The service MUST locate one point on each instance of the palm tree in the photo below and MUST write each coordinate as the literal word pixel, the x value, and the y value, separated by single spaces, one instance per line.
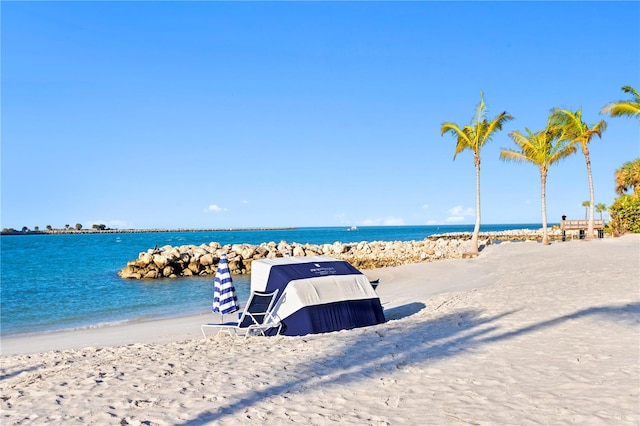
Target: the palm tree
pixel 541 149
pixel 628 177
pixel 472 137
pixel 621 108
pixel 586 205
pixel 601 207
pixel 577 131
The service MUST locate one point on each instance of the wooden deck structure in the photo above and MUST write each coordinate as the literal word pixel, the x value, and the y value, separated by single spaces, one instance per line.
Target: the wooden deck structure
pixel 572 225
pixel 581 226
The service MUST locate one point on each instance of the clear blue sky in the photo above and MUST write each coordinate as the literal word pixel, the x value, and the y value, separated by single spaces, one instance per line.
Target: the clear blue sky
pixel 242 114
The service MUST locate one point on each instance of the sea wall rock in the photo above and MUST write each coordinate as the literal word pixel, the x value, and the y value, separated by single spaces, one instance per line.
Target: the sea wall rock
pixel 190 260
pixel 555 234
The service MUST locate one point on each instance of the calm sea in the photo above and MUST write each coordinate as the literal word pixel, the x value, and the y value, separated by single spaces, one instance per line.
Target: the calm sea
pixel 53 282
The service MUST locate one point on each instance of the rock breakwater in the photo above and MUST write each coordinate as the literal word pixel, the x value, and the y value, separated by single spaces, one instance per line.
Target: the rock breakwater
pixel 555 234
pixel 190 260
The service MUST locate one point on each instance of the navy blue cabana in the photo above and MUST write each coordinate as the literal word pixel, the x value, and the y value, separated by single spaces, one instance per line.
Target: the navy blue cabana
pixel 317 294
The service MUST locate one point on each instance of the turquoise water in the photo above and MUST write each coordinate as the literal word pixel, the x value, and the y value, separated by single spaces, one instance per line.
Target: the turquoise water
pixel 53 282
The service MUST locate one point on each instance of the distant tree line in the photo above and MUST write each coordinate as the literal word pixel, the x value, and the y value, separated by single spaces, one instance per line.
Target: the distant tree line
pixel 51 229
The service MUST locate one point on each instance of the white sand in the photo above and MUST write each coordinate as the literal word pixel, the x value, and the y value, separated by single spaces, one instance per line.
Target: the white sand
pixel 525 334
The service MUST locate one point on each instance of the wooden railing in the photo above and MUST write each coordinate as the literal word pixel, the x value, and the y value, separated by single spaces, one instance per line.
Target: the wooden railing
pixel 568 225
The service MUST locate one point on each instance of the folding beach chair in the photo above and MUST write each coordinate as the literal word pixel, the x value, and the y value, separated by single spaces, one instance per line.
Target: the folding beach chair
pixel 256 318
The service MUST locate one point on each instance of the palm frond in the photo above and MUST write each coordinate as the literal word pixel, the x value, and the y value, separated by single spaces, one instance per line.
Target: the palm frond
pixel 510 155
pixel 496 124
pixel 463 139
pixel 474 135
pixel 634 92
pixel 567 122
pixel 624 108
pixel 481 111
pixel 452 128
pixel 542 148
pixel 570 127
pixel 562 150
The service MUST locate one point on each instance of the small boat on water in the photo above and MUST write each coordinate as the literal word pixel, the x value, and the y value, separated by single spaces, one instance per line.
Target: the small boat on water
pixel 353 228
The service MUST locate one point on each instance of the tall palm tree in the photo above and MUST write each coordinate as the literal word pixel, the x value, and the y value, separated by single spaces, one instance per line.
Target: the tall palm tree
pixel 628 177
pixel 601 207
pixel 586 205
pixel 541 149
pixel 630 108
pixel 473 136
pixel 576 131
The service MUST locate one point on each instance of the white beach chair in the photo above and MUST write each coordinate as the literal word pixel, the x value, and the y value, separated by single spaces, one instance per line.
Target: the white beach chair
pixel 256 318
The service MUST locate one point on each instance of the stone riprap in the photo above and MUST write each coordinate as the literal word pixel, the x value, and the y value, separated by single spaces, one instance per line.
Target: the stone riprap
pixel 190 260
pixel 555 234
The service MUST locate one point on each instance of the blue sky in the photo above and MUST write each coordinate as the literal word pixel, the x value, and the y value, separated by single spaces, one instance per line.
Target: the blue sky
pixel 243 114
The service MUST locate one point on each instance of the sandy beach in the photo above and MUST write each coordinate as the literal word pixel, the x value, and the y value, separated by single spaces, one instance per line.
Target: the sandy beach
pixel 522 334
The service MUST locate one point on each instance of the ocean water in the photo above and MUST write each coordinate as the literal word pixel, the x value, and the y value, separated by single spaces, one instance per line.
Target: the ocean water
pixel 54 282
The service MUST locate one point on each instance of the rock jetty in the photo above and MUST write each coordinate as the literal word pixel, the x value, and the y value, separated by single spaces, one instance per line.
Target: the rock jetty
pixel 555 234
pixel 192 260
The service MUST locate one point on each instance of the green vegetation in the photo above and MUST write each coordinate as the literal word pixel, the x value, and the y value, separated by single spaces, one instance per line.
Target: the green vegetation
pixel 51 230
pixel 628 177
pixel 625 214
pixel 625 210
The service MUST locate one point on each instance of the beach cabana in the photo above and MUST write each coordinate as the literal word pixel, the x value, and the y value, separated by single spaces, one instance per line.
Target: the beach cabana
pixel 317 294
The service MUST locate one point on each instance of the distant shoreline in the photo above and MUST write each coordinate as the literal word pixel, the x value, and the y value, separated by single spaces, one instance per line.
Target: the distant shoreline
pixel 73 231
pixel 136 231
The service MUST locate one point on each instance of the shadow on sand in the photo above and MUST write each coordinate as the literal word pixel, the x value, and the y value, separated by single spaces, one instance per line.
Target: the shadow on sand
pixel 403 311
pixel 17 372
pixel 425 340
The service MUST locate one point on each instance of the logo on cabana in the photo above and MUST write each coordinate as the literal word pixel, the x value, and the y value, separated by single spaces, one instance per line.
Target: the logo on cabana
pixel 320 270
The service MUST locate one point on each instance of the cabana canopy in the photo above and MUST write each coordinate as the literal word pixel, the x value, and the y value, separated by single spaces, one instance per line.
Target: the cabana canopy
pixel 317 294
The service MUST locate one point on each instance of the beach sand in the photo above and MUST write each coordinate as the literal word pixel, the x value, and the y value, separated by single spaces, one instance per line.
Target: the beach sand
pixel 522 334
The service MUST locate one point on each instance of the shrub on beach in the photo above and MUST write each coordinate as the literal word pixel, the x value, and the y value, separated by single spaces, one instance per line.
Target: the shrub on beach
pixel 625 215
pixel 625 211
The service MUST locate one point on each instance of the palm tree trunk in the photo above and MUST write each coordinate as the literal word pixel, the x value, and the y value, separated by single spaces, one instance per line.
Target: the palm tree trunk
pixel 543 192
pixel 476 228
pixel 590 227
